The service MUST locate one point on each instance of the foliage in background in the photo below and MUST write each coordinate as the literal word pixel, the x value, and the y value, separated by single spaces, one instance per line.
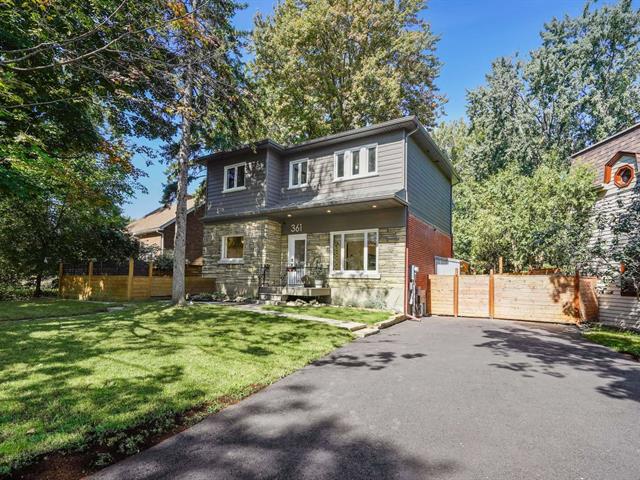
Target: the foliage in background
pixel 581 85
pixel 326 66
pixel 534 221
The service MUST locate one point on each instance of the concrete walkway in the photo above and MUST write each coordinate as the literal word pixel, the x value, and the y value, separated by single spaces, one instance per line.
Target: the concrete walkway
pixel 442 399
pixel 360 329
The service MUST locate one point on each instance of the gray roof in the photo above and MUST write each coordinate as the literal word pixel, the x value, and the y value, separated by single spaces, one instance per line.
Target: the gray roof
pixel 410 122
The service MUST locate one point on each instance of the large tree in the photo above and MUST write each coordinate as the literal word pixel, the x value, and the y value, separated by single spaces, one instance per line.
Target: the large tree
pixel 536 221
pixel 325 66
pixel 581 85
pixel 94 73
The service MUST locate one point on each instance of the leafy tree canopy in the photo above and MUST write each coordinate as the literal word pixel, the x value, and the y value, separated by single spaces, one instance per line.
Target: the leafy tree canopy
pixel 326 66
pixel 518 199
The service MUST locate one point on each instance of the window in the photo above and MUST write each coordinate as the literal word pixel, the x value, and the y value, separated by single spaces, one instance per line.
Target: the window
pixel 298 173
pixel 356 162
pixel 354 252
pixel 234 177
pixel 624 176
pixel 232 248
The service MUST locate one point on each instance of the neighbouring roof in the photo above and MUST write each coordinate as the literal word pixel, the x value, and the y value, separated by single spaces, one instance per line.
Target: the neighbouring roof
pixel 608 139
pixel 159 219
pixel 411 122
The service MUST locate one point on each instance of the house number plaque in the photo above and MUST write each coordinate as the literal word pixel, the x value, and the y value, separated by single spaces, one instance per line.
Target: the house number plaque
pixel 296 227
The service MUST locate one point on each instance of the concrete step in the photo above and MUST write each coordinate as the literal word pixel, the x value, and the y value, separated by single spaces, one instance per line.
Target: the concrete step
pixel 365 332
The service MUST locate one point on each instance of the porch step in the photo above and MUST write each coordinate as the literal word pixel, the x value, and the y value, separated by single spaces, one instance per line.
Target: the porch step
pixel 272 297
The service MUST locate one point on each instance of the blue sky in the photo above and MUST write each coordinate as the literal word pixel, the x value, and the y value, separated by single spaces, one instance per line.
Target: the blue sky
pixel 473 33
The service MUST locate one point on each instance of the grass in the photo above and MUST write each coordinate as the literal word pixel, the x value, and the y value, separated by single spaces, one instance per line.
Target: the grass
pixel 47 307
pixel 349 314
pixel 68 382
pixel 618 340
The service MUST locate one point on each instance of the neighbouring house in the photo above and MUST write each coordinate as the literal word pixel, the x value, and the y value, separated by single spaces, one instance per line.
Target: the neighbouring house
pixel 616 160
pixel 342 216
pixel 158 229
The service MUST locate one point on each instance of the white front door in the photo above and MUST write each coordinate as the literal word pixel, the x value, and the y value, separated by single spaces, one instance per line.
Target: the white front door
pixel 296 258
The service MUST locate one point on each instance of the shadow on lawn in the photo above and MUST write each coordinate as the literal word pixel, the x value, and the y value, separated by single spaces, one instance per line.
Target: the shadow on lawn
pixel 279 435
pixel 52 375
pixel 549 347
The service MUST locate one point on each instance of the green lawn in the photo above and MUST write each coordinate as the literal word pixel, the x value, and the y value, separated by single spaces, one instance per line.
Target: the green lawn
pixel 620 341
pixel 71 381
pixel 337 313
pixel 47 307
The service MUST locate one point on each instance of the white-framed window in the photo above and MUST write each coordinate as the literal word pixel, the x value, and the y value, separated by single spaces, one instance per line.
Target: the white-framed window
pixel 235 177
pixel 356 162
pixel 299 173
pixel 354 252
pixel 232 249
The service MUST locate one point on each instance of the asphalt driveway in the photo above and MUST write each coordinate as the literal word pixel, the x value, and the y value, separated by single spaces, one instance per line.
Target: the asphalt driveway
pixel 441 399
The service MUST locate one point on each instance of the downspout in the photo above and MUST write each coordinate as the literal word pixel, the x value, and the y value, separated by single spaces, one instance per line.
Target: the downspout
pixel 406 219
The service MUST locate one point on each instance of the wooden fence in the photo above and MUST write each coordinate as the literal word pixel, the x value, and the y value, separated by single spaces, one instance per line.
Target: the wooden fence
pixel 542 298
pixel 132 286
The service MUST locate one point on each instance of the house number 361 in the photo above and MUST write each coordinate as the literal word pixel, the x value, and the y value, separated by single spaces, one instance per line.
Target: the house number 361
pixel 296 227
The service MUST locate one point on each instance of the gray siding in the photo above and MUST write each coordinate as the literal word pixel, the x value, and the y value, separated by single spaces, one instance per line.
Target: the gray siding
pixel 388 217
pixel 429 189
pixel 389 179
pixel 275 173
pixel 249 200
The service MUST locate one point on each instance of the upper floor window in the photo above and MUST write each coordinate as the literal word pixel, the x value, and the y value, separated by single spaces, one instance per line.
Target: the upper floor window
pixel 356 162
pixel 298 173
pixel 234 177
pixel 624 176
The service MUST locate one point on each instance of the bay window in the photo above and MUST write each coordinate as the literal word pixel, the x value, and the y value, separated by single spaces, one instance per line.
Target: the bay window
pixel 354 252
pixel 356 162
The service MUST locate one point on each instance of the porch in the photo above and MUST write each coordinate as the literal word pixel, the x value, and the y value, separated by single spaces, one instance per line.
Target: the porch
pixel 299 281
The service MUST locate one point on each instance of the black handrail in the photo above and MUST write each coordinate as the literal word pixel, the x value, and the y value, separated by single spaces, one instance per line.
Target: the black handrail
pixel 298 275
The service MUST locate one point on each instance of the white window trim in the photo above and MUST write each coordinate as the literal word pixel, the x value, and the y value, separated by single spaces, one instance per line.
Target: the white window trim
pixel 298 162
pixel 354 273
pixel 223 251
pixel 348 165
pixel 224 178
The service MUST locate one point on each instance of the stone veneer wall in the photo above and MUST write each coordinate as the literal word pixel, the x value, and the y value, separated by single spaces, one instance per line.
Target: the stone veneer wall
pixel 261 246
pixel 384 292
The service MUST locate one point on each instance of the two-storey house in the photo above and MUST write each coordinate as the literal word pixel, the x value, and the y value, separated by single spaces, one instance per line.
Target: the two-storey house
pixel 616 161
pixel 342 216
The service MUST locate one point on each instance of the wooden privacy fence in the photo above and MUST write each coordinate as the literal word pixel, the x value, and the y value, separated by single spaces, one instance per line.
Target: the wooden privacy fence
pixel 135 280
pixel 542 298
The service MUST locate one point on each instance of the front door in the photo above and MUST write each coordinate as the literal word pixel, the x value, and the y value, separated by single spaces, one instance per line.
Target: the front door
pixel 297 258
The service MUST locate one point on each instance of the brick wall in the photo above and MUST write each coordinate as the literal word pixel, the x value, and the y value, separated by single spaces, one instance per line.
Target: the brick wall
pixel 424 243
pixel 194 236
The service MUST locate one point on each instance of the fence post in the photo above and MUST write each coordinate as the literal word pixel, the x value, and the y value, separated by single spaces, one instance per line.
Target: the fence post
pixel 456 292
pixel 60 274
pixel 491 294
pixel 576 296
pixel 428 294
pixel 89 291
pixel 150 277
pixel 130 279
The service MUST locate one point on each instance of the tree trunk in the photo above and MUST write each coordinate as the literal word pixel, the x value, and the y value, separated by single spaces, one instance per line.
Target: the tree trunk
pixel 38 291
pixel 184 154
